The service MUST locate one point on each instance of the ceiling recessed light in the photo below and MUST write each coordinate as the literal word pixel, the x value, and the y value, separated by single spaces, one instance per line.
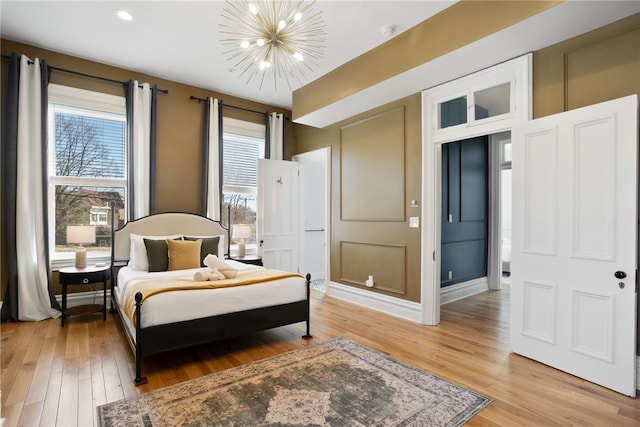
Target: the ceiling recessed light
pixel 124 15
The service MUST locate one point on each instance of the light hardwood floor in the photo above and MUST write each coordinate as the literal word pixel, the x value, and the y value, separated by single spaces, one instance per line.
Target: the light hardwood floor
pixel 57 376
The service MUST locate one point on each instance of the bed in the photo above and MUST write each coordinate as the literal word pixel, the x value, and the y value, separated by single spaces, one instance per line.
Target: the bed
pixel 165 320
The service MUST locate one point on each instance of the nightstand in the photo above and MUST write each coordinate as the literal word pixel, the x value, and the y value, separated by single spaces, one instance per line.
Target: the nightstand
pixel 249 259
pixel 84 276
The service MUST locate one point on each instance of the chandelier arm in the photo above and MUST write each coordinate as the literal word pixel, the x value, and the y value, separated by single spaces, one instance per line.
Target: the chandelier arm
pixel 273 39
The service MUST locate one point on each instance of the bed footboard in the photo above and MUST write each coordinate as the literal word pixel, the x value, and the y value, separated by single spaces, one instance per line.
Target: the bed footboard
pixel 161 338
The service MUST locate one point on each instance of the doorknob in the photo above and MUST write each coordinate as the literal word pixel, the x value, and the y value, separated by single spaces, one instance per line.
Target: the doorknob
pixel 620 274
pixel 261 242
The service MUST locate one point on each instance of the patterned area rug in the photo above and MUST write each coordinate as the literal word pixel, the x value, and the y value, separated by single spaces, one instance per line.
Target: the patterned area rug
pixel 338 383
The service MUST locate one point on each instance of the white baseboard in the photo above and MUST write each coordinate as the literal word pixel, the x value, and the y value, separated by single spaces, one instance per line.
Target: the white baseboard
pixel 462 290
pixel 394 306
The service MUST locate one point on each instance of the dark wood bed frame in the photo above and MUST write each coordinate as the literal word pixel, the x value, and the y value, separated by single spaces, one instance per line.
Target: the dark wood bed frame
pixel 173 336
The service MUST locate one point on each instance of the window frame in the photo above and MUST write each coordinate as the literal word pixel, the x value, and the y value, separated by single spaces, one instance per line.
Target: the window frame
pixel 100 105
pixel 245 129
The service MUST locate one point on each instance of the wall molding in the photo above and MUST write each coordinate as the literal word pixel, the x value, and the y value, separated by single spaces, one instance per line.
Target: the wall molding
pixel 394 306
pixel 462 290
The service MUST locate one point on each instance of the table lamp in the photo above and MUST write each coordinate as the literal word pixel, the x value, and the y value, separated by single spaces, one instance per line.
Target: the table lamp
pixel 81 234
pixel 242 232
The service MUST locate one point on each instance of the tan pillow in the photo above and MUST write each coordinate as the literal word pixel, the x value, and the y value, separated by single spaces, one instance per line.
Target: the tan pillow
pixel 184 254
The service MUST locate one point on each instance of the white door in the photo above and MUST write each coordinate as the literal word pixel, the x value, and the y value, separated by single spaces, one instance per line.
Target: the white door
pixel 313 167
pixel 574 238
pixel 277 216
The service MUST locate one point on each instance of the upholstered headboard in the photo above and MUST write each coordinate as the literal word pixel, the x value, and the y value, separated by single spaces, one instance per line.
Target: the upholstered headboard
pixel 163 224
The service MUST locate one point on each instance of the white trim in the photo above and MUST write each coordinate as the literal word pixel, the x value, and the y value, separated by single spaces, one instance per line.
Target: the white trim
pixel 463 290
pixel 518 72
pixel 394 306
pixel 242 127
pixel 66 95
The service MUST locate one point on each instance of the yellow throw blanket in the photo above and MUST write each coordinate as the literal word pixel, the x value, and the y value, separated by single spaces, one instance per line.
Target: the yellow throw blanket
pixel 154 286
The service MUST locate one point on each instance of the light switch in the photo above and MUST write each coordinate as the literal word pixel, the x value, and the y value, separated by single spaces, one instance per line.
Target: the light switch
pixel 414 222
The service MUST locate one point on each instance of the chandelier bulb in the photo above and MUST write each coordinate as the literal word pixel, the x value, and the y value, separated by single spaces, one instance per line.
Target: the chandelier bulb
pixel 297 16
pixel 253 9
pixel 245 44
pixel 260 42
pixel 281 25
pixel 298 56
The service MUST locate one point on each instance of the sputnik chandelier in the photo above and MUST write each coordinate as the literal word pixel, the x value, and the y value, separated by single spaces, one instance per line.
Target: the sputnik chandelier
pixel 278 39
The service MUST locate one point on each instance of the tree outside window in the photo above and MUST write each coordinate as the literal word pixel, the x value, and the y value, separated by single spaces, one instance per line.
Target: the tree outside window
pixel 87 171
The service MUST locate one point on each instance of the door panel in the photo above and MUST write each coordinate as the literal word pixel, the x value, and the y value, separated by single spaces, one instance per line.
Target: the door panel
pixel 277 216
pixel 312 215
pixel 574 227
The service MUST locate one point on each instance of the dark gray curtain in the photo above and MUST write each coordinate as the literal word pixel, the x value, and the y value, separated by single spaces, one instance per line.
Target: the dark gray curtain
pixel 153 152
pixel 9 179
pixel 267 136
pixel 128 96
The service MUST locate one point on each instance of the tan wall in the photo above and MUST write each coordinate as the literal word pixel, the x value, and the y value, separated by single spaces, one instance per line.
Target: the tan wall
pixel 180 123
pixel 598 66
pixel 376 172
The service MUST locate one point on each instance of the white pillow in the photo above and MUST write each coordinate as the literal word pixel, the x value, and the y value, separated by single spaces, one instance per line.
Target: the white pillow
pixel 138 254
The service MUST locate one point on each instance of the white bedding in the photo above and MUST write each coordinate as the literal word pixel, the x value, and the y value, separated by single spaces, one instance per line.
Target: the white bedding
pixel 176 306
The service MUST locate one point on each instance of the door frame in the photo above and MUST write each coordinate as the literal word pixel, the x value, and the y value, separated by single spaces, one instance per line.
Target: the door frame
pixel 323 154
pixel 518 72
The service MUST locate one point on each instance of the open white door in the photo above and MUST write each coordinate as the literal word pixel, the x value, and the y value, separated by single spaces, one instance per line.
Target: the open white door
pixel 574 238
pixel 314 172
pixel 277 216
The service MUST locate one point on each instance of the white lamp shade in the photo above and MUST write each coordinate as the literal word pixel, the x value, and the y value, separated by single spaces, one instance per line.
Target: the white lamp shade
pixel 81 234
pixel 242 231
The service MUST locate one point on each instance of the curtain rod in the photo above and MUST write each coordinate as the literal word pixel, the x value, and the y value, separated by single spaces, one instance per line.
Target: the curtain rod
pixel 195 98
pixel 90 76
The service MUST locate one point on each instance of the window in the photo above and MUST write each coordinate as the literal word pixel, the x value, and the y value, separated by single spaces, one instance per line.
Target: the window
pixel 243 144
pixel 87 167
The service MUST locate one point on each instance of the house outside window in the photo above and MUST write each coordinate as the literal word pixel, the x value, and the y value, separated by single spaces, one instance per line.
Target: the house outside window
pixel 243 145
pixel 87 168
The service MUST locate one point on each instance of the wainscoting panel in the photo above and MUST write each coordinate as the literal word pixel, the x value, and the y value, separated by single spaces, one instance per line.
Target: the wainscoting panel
pixel 592 324
pixel 372 167
pixel 594 163
pixel 386 263
pixel 539 320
